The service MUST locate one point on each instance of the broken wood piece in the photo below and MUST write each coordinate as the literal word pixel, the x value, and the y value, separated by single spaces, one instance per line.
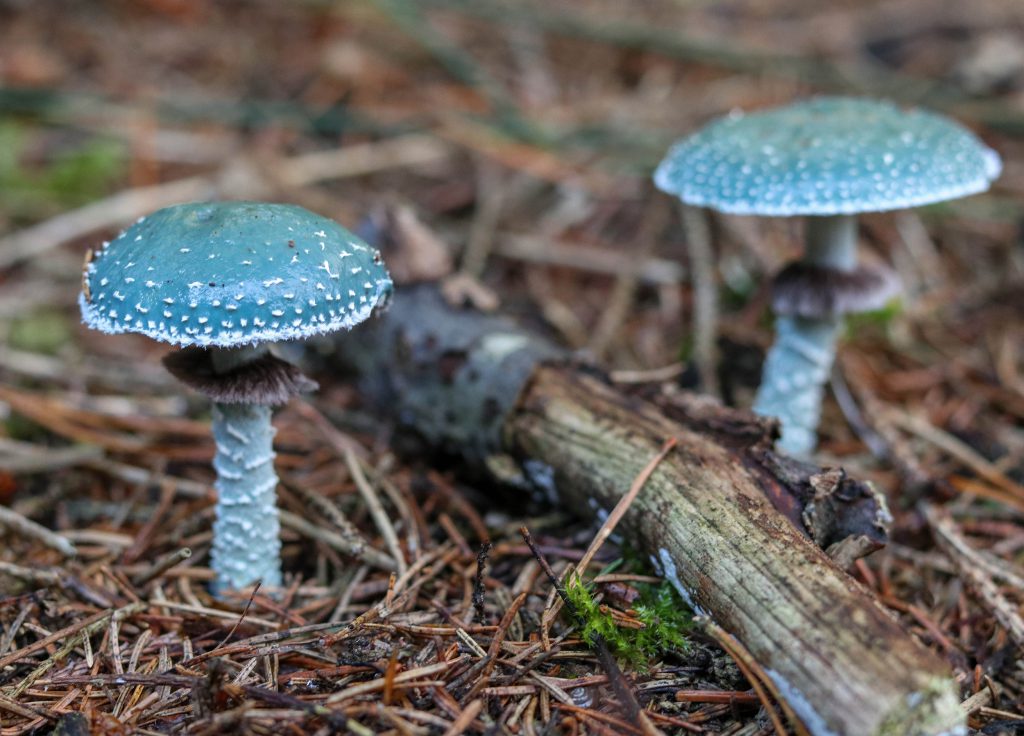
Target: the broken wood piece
pixel 481 388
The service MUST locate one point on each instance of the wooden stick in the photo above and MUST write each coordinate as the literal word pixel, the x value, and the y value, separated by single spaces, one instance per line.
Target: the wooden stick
pixel 481 387
pixel 25 527
pixel 980 571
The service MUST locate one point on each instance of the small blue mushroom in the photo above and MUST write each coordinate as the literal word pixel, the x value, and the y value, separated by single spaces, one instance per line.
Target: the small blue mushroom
pixel 223 280
pixel 829 159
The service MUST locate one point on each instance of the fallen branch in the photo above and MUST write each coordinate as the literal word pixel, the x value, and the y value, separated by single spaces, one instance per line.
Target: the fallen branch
pixel 480 387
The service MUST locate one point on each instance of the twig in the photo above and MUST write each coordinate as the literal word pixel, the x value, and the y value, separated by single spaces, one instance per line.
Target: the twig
pixel 623 506
pixel 358 548
pixel 346 596
pixel 24 457
pixel 241 617
pixel 161 566
pixel 928 269
pixel 75 633
pixel 652 375
pixel 950 444
pixel 755 676
pixel 589 259
pixel 609 526
pixel 130 204
pixel 376 508
pixel 345 447
pixel 978 570
pixel 491 196
pixel 848 404
pixel 126 378
pixel 104 214
pixel 25 711
pixel 145 535
pixel 621 298
pixel 604 655
pixel 478 580
pixel 358 160
pixel 704 282
pixel 409 678
pixel 144 477
pixel 18 524
pixel 587 713
pixel 216 613
pixel 876 419
pixel 12 630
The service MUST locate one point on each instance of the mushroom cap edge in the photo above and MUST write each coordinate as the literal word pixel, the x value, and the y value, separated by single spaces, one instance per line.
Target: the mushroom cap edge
pixel 231 291
pixel 871 156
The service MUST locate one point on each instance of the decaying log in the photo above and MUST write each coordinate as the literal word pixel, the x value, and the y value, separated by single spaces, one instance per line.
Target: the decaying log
pixel 480 387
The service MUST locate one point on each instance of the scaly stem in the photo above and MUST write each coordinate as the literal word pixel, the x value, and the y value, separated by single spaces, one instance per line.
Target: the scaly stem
pixel 246 534
pixel 793 379
pixel 800 360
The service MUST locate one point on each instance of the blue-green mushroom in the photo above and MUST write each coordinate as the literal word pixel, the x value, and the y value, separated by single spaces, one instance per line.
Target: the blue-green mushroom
pixel 829 159
pixel 223 280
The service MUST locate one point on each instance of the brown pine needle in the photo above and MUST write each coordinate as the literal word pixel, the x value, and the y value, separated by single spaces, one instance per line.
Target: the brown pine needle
pixel 623 506
pixel 757 678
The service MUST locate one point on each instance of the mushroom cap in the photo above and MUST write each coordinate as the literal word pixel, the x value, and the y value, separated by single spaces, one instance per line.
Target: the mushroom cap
pixel 227 274
pixel 827 156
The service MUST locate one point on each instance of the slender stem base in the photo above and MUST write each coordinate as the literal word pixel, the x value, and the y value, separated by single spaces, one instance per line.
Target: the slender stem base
pixel 793 381
pixel 800 360
pixel 246 534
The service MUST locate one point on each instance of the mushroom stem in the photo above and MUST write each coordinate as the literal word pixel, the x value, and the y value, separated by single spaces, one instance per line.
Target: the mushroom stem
pixel 793 379
pixel 246 538
pixel 831 242
pixel 226 360
pixel 800 360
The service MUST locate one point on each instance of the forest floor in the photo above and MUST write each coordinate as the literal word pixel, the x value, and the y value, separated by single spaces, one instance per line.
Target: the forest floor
pixel 510 144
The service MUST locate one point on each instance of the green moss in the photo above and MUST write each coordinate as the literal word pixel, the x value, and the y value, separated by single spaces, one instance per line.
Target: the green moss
pixel 43 331
pixel 75 175
pixel 665 619
pixel 686 348
pixel 18 428
pixel 877 318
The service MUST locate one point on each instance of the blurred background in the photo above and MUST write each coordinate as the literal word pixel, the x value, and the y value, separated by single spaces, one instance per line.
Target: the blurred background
pixel 522 135
pixel 507 146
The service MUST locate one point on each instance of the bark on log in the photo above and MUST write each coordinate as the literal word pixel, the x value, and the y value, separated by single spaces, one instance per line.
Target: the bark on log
pixel 479 386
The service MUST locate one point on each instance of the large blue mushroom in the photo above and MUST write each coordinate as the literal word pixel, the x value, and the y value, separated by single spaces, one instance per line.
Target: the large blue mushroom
pixel 223 280
pixel 829 159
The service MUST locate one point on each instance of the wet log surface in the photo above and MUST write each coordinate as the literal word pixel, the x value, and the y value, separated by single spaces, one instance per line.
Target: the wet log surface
pixel 480 387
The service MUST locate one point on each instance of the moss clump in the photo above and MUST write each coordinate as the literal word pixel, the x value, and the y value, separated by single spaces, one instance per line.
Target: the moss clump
pixel 44 331
pixel 73 175
pixel 664 622
pixel 878 318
